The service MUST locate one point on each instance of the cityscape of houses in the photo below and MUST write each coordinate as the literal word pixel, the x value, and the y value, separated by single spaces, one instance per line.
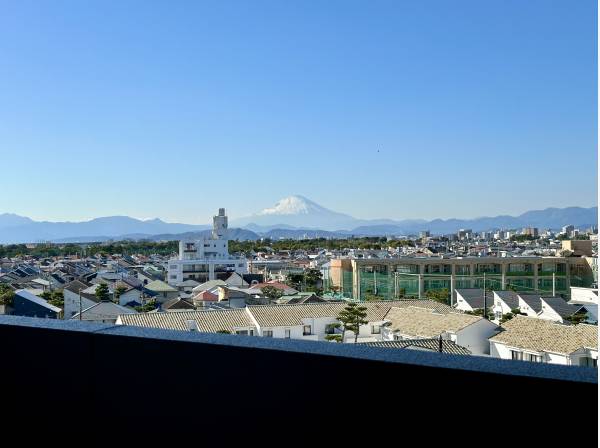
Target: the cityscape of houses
pixel 526 295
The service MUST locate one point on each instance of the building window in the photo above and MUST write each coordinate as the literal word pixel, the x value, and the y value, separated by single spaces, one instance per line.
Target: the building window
pixel 498 315
pixel 307 330
pixel 268 333
pixel 288 333
pixel 330 328
pixel 242 332
pixel 532 358
pixel 516 355
pixel 376 329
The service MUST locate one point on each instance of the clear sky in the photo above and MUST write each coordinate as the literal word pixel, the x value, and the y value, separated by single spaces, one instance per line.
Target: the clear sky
pixel 395 109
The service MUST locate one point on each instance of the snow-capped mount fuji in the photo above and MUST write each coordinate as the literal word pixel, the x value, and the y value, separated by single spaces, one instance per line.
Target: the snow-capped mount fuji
pixel 300 212
pixel 296 205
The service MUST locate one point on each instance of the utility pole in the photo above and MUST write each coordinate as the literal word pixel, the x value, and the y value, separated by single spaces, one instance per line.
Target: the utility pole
pixel 80 305
pixel 485 316
pixel 419 286
pixel 553 284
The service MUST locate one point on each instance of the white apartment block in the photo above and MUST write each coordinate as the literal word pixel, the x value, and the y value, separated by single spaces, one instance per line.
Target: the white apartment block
pixel 203 259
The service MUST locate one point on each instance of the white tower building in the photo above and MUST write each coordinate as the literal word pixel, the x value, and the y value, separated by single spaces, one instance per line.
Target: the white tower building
pixel 205 258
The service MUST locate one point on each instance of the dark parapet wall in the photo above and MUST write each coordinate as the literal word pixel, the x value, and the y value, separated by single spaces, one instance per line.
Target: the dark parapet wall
pixel 84 373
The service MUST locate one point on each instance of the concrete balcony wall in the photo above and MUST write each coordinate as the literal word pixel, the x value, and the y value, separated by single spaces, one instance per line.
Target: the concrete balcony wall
pixel 209 385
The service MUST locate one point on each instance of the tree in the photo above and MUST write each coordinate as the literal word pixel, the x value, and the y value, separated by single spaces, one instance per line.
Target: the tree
pixel 295 281
pixel 271 292
pixel 576 318
pixel 6 294
pixel 352 317
pixel 312 277
pixel 57 298
pixel 333 337
pixel 102 292
pixel 439 295
pixel 120 290
pixel 149 306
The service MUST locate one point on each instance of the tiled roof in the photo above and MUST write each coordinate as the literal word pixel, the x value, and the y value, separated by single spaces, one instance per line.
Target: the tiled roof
pixel 474 297
pixel 160 286
pixel 426 323
pixel 290 315
pixel 177 304
pixel 432 344
pixel 208 285
pixel 509 297
pixel 273 315
pixel 208 321
pixel 542 335
pixel 561 307
pixel 533 300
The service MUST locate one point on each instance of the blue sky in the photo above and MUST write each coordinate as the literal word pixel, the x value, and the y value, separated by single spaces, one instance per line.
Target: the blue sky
pixel 396 109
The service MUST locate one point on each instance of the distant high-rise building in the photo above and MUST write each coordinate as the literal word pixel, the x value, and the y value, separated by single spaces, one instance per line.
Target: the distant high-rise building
pixel 530 231
pixel 424 234
pixel 568 230
pixel 464 234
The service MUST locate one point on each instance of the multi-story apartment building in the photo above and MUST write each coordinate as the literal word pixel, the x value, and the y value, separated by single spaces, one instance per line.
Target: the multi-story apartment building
pixel 391 278
pixel 204 259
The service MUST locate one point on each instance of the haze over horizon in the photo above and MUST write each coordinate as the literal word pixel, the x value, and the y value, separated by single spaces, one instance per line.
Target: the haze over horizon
pixel 379 110
pixel 276 211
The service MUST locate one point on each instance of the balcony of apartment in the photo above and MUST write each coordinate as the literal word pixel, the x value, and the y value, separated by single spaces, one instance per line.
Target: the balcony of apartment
pixel 520 270
pixel 135 378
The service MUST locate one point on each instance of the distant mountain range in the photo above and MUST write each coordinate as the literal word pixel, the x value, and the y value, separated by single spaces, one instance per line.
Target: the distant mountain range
pixel 291 217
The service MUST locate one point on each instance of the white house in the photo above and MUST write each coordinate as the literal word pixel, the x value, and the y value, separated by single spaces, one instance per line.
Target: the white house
pixel 311 321
pixel 558 310
pixel 201 260
pixel 465 330
pixel 504 303
pixel 72 293
pixel 235 321
pixel 587 297
pixel 539 340
pixel 472 299
pixel 530 304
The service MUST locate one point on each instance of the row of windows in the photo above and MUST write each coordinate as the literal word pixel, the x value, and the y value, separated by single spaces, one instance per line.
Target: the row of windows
pixel 521 356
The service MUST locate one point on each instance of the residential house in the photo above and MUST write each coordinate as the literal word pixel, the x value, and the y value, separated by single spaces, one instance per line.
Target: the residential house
pixel 558 310
pixel 540 340
pixel 504 303
pixel 235 321
pixel 75 299
pixel 103 311
pixel 413 322
pixel 162 290
pixel 25 303
pixel 587 297
pixel 472 299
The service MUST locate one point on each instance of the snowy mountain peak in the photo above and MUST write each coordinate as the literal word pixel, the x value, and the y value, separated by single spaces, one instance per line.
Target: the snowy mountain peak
pixel 294 205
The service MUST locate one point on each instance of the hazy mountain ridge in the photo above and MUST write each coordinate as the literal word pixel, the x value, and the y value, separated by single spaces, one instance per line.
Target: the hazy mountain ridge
pixel 293 217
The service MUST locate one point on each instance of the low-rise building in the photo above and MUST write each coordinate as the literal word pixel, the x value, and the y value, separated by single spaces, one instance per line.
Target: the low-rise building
pixel 473 299
pixel 468 331
pixel 539 340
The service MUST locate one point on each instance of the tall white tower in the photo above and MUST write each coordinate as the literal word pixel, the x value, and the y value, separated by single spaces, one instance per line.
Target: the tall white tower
pixel 220 225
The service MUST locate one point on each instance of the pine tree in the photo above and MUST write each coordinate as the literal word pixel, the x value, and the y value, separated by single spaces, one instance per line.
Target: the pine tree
pixel 102 292
pixel 352 317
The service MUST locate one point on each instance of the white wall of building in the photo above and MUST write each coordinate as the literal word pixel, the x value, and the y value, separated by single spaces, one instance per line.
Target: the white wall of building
pixel 476 336
pixel 71 304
